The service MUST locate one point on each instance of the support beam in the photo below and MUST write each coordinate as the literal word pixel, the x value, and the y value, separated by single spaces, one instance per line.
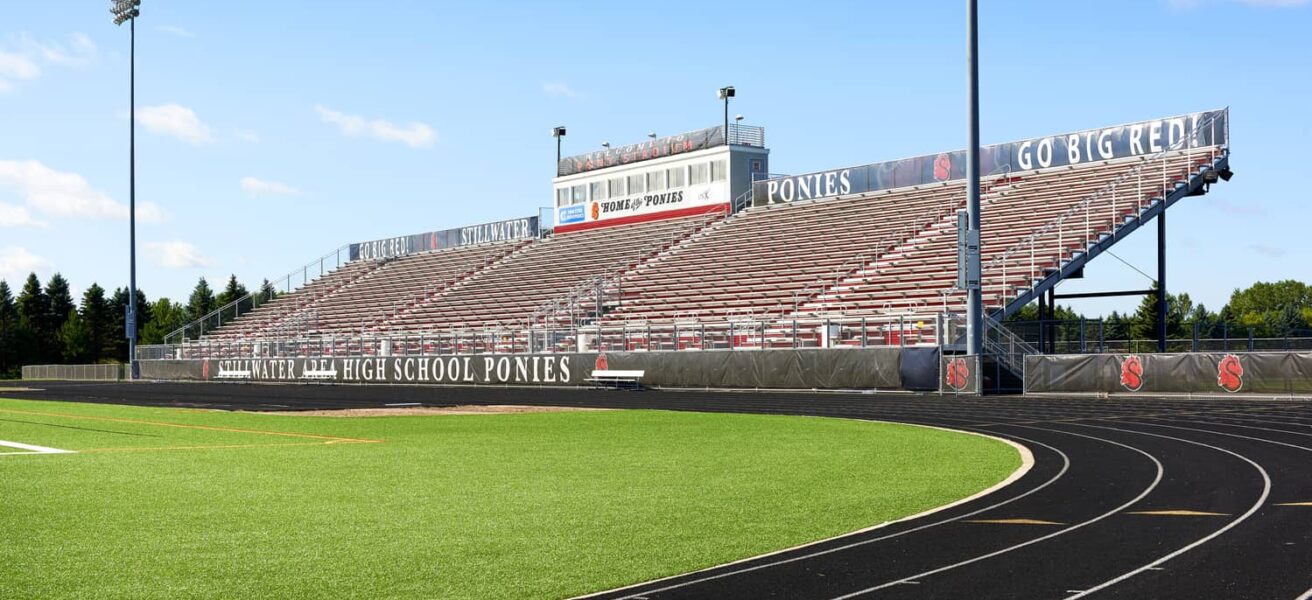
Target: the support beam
pixel 1161 282
pixel 1103 294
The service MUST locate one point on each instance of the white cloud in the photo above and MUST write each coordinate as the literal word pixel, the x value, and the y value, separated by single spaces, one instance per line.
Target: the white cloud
pixel 79 52
pixel 262 187
pixel 176 254
pixel 247 135
pixel 174 30
pixel 559 89
pixel 414 134
pixel 12 215
pixel 24 55
pixel 16 262
pixel 63 194
pixel 176 121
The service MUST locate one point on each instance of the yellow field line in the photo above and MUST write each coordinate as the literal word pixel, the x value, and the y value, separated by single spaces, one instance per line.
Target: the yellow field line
pixel 216 446
pixel 200 427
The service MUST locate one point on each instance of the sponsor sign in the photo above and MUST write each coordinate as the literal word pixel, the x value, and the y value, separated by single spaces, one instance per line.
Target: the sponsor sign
pixel 502 369
pixel 513 229
pixel 649 203
pixel 632 153
pixel 1137 139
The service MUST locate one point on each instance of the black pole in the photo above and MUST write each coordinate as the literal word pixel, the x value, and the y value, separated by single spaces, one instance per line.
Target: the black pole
pixel 557 155
pixel 974 302
pixel 132 201
pixel 726 118
pixel 1161 281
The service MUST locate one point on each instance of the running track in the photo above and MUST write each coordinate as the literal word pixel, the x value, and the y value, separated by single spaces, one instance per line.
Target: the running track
pixel 1164 498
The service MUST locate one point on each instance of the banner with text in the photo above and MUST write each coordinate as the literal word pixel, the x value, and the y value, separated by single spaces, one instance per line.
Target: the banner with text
pixel 1193 130
pixel 500 231
pixel 641 207
pixel 632 153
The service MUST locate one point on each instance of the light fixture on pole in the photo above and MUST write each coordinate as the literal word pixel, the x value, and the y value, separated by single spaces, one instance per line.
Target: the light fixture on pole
pixel 652 135
pixel 558 132
pixel 605 145
pixel 127 11
pixel 725 93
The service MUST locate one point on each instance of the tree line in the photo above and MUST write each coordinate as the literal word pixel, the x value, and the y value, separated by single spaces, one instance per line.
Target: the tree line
pixel 1269 309
pixel 43 325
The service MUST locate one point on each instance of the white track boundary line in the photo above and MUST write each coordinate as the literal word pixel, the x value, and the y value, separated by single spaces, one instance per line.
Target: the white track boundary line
pixel 1027 463
pixel 31 449
pixel 1148 490
pixel 1266 491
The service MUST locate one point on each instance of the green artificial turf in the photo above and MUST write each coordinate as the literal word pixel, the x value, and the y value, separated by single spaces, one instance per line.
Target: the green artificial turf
pixel 462 506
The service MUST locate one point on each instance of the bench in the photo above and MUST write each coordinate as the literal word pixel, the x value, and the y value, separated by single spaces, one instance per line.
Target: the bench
pixel 617 378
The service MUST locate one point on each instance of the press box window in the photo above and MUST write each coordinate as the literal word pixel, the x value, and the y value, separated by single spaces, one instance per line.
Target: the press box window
pixel 656 181
pixel 718 171
pixel 616 186
pixel 636 184
pixel 677 177
pixel 580 193
pixel 562 197
pixel 699 174
pixel 598 190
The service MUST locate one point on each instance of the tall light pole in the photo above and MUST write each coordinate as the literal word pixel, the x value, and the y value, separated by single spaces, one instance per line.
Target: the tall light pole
pixel 974 301
pixel 126 10
pixel 558 132
pixel 725 93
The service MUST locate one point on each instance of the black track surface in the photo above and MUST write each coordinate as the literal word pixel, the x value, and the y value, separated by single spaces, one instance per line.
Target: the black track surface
pixel 1097 463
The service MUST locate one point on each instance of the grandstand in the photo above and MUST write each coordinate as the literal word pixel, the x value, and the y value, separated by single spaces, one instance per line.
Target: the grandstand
pixel 651 250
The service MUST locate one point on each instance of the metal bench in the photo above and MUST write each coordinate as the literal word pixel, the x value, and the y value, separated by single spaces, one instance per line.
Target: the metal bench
pixel 617 378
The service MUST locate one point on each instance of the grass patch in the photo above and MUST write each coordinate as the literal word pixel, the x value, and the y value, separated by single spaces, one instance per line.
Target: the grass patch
pixel 470 506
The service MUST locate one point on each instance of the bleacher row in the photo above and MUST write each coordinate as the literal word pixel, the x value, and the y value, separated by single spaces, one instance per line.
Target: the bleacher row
pixel 885 254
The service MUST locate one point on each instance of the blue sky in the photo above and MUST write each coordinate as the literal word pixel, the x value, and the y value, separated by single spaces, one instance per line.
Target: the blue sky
pixel 270 133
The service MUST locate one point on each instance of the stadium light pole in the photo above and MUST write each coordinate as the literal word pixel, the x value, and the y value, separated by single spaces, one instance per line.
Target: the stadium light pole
pixel 974 302
pixel 127 11
pixel 558 132
pixel 725 93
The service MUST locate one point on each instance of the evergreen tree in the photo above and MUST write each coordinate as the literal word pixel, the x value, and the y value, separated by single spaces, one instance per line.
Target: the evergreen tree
pixel 34 323
pixel 61 300
pixel 74 340
pixel 231 292
pixel 8 332
pixel 267 291
pixel 97 321
pixel 202 301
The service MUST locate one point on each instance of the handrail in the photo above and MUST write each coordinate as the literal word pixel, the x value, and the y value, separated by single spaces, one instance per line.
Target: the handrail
pixel 180 332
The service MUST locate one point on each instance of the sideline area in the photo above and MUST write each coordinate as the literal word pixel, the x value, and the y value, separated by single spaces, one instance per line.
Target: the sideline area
pixel 161 500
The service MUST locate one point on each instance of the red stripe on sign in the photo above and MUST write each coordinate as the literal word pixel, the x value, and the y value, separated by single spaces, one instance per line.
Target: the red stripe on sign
pixel 669 214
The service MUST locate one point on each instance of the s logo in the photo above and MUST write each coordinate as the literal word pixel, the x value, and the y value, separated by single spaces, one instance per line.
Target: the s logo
pixel 602 364
pixel 205 369
pixel 942 167
pixel 1230 374
pixel 1132 373
pixel 596 211
pixel 958 374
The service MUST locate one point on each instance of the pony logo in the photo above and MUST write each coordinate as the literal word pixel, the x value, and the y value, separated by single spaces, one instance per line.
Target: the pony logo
pixel 204 369
pixel 1132 373
pixel 596 211
pixel 942 167
pixel 602 364
pixel 958 374
pixel 1230 374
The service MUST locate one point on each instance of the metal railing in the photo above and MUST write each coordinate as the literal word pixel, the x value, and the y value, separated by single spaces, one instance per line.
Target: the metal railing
pixel 1079 222
pixel 735 335
pixel 252 300
pixel 746 135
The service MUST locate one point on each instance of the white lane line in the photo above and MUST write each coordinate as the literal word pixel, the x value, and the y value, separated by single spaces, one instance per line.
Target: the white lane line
pixel 31 449
pixel 1066 463
pixel 1148 490
pixel 1266 491
pixel 1272 430
pixel 402 404
pixel 1306 596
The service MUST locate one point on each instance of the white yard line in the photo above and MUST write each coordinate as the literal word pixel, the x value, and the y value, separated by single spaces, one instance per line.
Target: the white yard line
pixel 30 449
